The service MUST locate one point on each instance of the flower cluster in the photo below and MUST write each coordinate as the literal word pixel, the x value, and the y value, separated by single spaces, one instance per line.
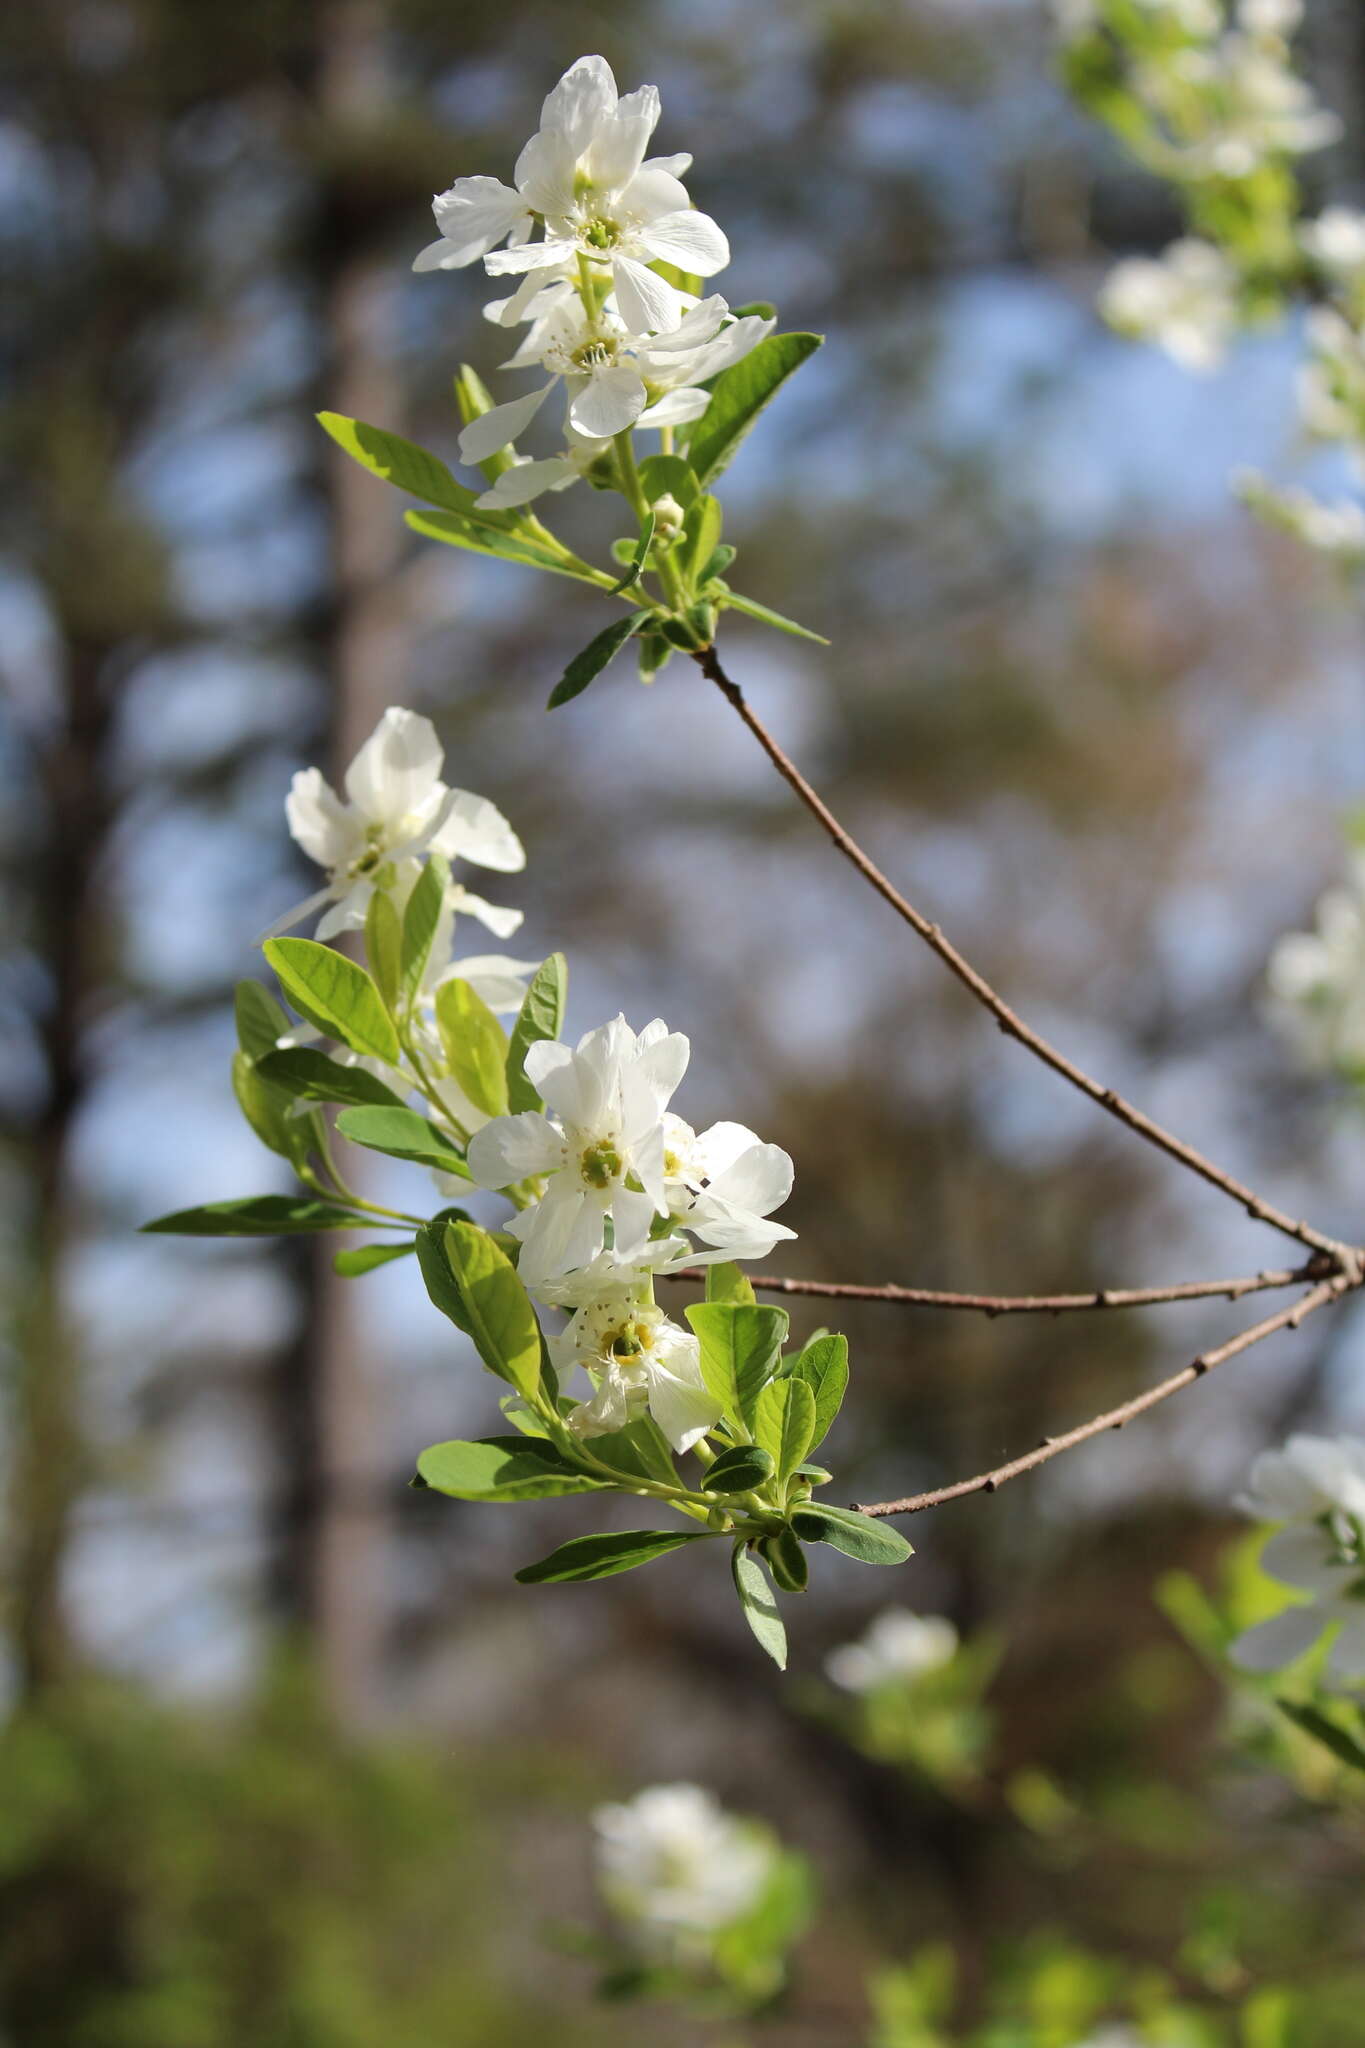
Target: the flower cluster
pixel 1315 1488
pixel 1187 301
pixel 898 1648
pixel 606 244
pixel 1317 980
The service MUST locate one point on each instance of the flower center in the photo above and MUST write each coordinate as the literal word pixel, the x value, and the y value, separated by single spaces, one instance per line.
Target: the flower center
pixel 600 1165
pixel 601 233
pixel 595 354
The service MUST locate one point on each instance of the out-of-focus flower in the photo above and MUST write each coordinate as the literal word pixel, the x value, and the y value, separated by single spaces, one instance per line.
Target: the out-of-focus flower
pixel 897 1648
pixel 1316 1487
pixel 1332 381
pixel 672 1862
pixel 1317 979
pixel 1335 530
pixel 1185 301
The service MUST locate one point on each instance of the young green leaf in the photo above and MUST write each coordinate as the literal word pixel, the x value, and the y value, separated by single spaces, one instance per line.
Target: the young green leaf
pixel 725 1282
pixel 475 1045
pixel 700 538
pixel 261 1023
pixel 497 1308
pixel 739 1470
pixel 440 1282
pixel 1344 1746
pixel 421 915
pixel 590 661
pixel 336 995
pixel 602 1556
pixel 636 564
pixel 739 396
pixel 384 946
pixel 786 1560
pixel 269 1110
pixel 784 1422
pixel 668 476
pixel 397 461
pixel 256 1216
pixel 305 1072
pixel 479 538
pixel 871 1542
pixel 541 1016
pixel 740 1350
pixel 640 1450
pixel 365 1257
pixel 731 601
pixel 823 1365
pixel 759 1605
pixel 400 1134
pixel 507 1468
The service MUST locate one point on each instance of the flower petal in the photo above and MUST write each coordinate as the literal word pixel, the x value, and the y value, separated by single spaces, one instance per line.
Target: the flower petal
pixel 493 430
pixel 398 769
pixel 1272 1644
pixel 584 98
pixel 648 303
pixel 511 1147
pixel 473 215
pixel 474 829
pixel 608 402
pixel 689 239
pixel 525 481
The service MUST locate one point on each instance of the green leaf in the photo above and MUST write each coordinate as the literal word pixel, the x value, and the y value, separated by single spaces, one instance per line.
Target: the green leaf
pixel 336 995
pixel 739 1470
pixel 640 1450
pixel 740 1350
pixel 719 562
pixel 669 476
pixel 602 1556
pixel 700 538
pixel 541 1016
pixel 421 916
pixel 635 567
pixel 365 1257
pixel 757 1600
pixel 305 1072
pixel 397 461
pixel 261 1023
pixel 401 1134
pixel 786 1560
pixel 1345 1747
pixel 731 601
pixel 270 1112
pixel 739 396
pixel 654 654
pixel 483 539
pixel 440 1282
pixel 506 1468
pixel 725 1282
pixel 590 661
pixel 823 1365
pixel 384 946
pixel 474 399
pixel 475 1045
pixel 860 1536
pixel 498 1311
pixel 784 1422
pixel 256 1216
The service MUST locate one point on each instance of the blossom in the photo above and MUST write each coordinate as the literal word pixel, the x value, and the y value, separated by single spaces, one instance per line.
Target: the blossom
pixel 1317 979
pixel 898 1648
pixel 1332 381
pixel 638 1359
pixel 674 1863
pixel 584 179
pixel 1186 302
pixel 600 1152
pixel 723 1185
pixel 615 376
pixel 1335 529
pixel 1336 240
pixel 1315 1486
pixel 397 809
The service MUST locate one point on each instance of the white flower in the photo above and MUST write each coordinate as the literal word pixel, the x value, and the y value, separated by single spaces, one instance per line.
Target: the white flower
pixel 1270 17
pixel 898 1648
pixel 676 1864
pixel 1336 240
pixel 583 177
pixel 1316 1487
pixel 397 809
pixel 1317 979
pixel 607 1097
pixel 722 1186
pixel 638 1359
pixel 1336 530
pixel 1186 302
pixel 1332 382
pixel 615 378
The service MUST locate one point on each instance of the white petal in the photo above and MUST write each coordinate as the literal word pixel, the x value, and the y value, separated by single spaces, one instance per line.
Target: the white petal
pixel 565 1232
pixel 513 1146
pixel 676 166
pixel 525 481
pixel 438 256
pixel 617 150
pixel 474 829
pixel 1299 1556
pixel 1346 1658
pixel 318 821
pixel 631 1216
pixel 676 409
pixel 397 770
pixel 691 240
pixel 571 1085
pixel 648 303
pixel 1272 1644
pixel 545 174
pixel 760 1180
pixel 655 189
pixel 498 918
pixel 493 430
pixel 584 97
pixel 501 982
pixel 546 255
pixel 681 1405
pixel 289 918
pixel 607 403
pixel 473 215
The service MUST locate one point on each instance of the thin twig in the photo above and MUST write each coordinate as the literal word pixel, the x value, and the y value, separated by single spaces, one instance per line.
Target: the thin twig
pixel 1318 1268
pixel 1011 1024
pixel 1115 1418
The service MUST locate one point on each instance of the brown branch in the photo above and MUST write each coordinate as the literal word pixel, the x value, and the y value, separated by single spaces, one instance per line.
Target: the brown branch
pixel 1323 1266
pixel 1115 1418
pixel 1011 1024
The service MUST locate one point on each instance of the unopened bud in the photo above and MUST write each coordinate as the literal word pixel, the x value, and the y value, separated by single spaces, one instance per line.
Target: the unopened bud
pixel 668 518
